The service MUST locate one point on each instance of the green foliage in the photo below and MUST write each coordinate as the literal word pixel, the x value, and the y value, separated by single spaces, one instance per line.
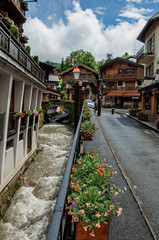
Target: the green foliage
pixel 125 56
pixel 36 59
pixel 28 49
pixel 143 113
pixel 70 107
pixel 88 127
pixel 109 57
pixel 62 89
pixel 80 56
pixel 91 197
pixel 54 64
pixel 15 31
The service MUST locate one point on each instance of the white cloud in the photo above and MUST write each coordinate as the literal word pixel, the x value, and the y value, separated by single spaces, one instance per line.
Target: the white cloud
pixel 100 10
pixel 135 13
pixel 135 1
pixel 82 31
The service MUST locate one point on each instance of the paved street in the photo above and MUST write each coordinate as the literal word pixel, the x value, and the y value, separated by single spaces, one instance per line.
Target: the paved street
pixel 136 149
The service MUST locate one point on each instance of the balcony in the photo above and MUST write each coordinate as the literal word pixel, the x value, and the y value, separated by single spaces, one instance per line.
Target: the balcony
pixel 145 57
pixel 119 76
pixel 10 45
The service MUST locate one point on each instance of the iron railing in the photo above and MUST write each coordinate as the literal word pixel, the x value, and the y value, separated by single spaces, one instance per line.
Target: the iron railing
pixel 60 226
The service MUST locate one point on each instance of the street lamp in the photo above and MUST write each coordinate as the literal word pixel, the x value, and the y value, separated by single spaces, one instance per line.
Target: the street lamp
pixel 77 109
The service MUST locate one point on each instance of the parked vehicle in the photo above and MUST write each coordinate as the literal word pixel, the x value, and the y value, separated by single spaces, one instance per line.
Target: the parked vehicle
pixel 90 103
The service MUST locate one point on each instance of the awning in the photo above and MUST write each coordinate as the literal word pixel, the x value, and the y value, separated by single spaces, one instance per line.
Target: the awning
pixel 131 94
pixel 115 94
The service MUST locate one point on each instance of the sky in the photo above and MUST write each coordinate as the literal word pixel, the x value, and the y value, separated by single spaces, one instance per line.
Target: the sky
pixel 57 27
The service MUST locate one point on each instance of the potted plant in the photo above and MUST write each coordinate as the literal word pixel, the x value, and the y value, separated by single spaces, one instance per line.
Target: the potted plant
pixel 91 200
pixel 157 123
pixel 132 111
pixel 24 39
pixel 40 110
pixel 25 6
pixel 35 112
pixel 18 115
pixel 88 129
pixel 9 22
pixel 87 114
pixel 142 115
pixel 28 113
pixel 15 31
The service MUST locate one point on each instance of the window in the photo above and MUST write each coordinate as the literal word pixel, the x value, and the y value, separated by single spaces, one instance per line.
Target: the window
pixel 120 83
pixel 120 71
pixel 150 45
pixel 139 83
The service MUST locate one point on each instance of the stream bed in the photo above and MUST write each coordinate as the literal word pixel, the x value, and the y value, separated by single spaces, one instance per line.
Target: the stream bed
pixel 30 212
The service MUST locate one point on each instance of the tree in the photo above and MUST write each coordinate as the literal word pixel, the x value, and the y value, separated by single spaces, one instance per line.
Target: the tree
pixel 80 56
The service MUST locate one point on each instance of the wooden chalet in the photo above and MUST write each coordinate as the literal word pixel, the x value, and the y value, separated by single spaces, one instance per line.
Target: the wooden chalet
pixel 121 80
pixel 21 84
pixel 52 81
pixel 88 77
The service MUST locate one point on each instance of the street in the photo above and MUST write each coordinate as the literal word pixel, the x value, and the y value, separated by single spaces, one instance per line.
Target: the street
pixel 136 149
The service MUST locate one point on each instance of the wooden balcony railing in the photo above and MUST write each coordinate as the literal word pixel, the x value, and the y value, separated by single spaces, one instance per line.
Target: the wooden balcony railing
pixel 119 76
pixel 10 45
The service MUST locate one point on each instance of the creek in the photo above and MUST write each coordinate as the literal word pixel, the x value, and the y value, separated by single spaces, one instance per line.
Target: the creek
pixel 29 214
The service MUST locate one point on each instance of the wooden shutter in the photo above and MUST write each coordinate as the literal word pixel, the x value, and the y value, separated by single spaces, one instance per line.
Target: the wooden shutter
pixel 152 69
pixel 153 43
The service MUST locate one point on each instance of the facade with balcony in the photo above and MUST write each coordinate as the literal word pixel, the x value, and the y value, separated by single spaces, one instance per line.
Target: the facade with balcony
pixel 88 79
pixel 121 80
pixel 52 81
pixel 149 53
pixel 149 56
pixel 21 86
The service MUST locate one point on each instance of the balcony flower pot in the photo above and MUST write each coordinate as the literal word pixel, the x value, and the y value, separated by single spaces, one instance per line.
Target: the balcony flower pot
pixel 25 6
pixel 24 39
pixel 8 22
pixel 143 116
pixel 88 136
pixel 91 200
pixel 88 129
pixel 19 115
pixel 157 123
pixel 100 233
pixel 132 112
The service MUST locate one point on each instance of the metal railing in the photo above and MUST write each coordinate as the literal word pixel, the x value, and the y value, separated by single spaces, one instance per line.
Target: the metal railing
pixel 60 226
pixel 10 45
pixel 143 52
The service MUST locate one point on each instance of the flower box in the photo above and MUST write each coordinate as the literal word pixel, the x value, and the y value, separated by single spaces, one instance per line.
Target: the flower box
pixel 143 116
pixel 88 136
pixel 100 233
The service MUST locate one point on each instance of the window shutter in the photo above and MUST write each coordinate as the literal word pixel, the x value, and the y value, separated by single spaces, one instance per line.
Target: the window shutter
pixel 146 71
pixel 152 69
pixel 153 43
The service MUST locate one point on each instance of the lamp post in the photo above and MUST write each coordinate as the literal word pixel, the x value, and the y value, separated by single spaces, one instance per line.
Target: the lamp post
pixel 76 73
pixel 99 97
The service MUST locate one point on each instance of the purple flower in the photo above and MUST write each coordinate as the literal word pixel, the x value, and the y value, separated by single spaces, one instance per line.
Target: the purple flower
pixel 73 204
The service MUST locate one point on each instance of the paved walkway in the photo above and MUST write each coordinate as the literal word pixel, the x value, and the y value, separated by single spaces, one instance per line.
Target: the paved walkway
pixel 130 225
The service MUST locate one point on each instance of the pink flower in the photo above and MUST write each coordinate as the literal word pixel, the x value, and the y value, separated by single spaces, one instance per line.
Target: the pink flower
pixel 84 185
pixel 111 207
pixel 116 193
pixel 88 205
pixel 98 225
pixel 97 215
pixel 119 212
pixel 73 204
pixel 92 234
pixel 82 211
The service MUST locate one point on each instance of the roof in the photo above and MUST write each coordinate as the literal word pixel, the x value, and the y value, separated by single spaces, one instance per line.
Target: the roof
pixel 149 87
pixel 46 67
pixel 53 78
pixel 115 94
pixel 121 60
pixel 141 36
pixel 80 64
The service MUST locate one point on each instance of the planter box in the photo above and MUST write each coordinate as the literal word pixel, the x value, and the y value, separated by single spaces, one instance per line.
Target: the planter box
pixel 157 125
pixel 132 113
pixel 88 137
pixel 143 117
pixel 100 233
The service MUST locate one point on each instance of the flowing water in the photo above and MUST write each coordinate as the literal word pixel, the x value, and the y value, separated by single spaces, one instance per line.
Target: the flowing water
pixel 30 212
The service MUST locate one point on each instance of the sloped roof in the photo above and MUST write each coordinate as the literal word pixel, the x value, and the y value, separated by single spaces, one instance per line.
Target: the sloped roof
pixel 120 60
pixel 53 78
pixel 80 64
pixel 141 36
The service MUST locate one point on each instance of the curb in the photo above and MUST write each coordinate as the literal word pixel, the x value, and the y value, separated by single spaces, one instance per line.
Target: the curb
pixel 128 181
pixel 144 123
